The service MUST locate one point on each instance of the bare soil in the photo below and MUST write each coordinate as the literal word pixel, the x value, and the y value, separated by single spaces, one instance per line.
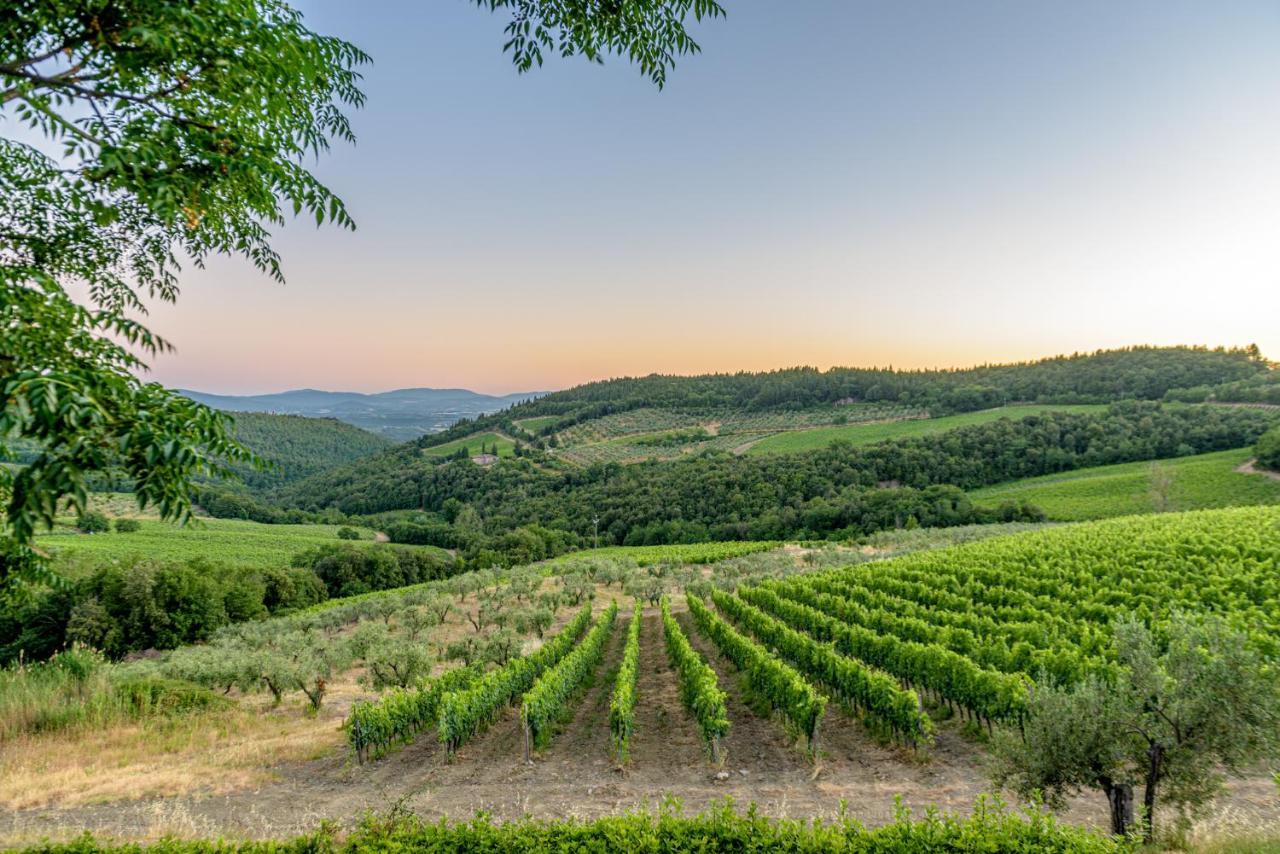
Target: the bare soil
pixel 1250 467
pixel 577 776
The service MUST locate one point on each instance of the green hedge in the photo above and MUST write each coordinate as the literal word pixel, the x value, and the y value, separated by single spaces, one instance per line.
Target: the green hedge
pixel 989 830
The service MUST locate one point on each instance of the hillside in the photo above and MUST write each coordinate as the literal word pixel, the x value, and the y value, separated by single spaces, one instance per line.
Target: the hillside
pixel 300 447
pixel 1144 373
pixel 400 415
pixel 1184 483
pixel 837 491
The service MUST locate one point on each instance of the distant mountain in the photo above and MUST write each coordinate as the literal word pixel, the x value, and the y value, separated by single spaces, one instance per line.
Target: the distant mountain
pixel 401 415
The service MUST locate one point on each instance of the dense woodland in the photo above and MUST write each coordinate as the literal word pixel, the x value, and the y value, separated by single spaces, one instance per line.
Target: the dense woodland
pixel 842 490
pixel 299 447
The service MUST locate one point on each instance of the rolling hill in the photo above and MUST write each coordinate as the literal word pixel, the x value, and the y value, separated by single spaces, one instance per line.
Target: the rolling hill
pixel 300 447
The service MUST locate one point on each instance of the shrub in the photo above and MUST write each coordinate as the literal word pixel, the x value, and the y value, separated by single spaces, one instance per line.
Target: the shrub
pixel 92 522
pixel 346 532
pixel 128 526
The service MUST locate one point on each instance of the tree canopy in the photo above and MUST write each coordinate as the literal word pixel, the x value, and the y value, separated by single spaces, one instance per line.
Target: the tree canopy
pixel 155 132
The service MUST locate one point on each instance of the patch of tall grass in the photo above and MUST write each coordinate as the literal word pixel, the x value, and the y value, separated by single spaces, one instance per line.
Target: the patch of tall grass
pixel 72 688
pixel 79 688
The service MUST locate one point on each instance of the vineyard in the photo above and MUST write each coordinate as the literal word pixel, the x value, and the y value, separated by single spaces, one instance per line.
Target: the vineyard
pixel 964 629
pixel 796 664
pixel 232 541
pixel 1198 482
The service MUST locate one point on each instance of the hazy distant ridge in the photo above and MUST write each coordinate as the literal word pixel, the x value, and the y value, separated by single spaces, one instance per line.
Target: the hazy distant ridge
pixel 401 414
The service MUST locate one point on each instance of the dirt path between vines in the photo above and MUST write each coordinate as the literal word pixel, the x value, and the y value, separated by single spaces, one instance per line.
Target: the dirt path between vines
pixel 576 776
pixel 1250 467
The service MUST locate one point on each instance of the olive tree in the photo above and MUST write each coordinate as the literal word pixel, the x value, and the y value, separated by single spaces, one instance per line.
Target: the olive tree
pixel 1189 704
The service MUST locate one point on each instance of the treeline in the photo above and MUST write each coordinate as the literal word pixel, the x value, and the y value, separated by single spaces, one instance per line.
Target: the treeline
pixel 1262 387
pixel 121 607
pixel 840 491
pixel 1142 373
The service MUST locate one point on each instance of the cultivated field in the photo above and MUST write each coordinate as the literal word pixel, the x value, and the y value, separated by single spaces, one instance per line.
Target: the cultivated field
pixel 793 441
pixel 821 710
pixel 473 444
pixel 235 542
pixel 1197 482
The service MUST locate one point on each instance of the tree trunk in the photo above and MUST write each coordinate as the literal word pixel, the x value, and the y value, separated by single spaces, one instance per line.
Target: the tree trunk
pixel 1155 753
pixel 1120 800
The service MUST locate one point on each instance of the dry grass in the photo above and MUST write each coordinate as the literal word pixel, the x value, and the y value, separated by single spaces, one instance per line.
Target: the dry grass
pixel 213 752
pixel 216 752
pixel 1235 831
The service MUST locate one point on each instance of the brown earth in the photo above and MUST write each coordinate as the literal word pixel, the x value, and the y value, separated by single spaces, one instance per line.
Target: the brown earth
pixel 1250 467
pixel 576 775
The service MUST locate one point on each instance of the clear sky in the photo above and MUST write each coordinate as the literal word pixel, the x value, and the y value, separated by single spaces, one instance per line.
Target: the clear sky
pixel 829 182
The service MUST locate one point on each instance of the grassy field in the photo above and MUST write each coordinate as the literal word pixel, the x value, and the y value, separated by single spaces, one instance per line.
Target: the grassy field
pixel 230 541
pixel 866 434
pixel 533 425
pixel 1200 482
pixel 506 448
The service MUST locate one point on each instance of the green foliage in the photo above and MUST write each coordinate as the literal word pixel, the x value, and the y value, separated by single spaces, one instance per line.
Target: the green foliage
pixel 232 542
pixel 1268 449
pixel 990 829
pixel 151 696
pixel 182 129
pixel 466 713
pixel 470 446
pixel 297 447
pixel 374 727
pixel 876 694
pixel 841 491
pixel 78 688
pixel 675 438
pixel 395 661
pixel 683 553
pixel 92 522
pixel 348 570
pixel 348 533
pixel 833 614
pixel 622 702
pixel 784 689
pixel 1187 706
pixel 127 526
pixel 135 604
pixel 1142 373
pixel 546 702
pixel 651 35
pixel 699 688
pixel 1199 482
pixel 794 441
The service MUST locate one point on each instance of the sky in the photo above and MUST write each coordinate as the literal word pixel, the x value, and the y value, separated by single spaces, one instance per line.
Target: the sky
pixel 829 182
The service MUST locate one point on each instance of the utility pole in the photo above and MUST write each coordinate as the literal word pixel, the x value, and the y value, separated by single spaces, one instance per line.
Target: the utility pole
pixel 595 525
